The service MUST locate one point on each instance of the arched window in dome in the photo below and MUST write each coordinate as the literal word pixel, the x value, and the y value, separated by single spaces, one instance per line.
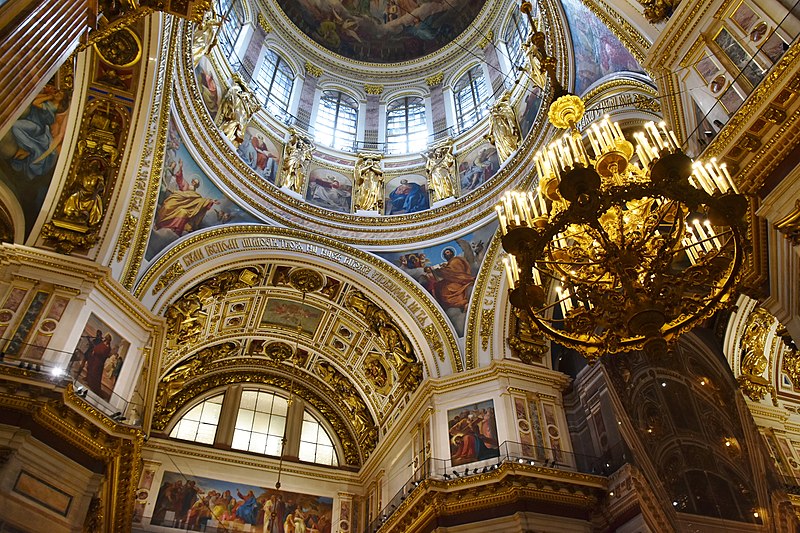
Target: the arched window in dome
pixel 406 129
pixel 316 445
pixel 515 35
pixel 469 93
pixel 275 81
pixel 260 423
pixel 257 421
pixel 337 121
pixel 199 424
pixel 231 26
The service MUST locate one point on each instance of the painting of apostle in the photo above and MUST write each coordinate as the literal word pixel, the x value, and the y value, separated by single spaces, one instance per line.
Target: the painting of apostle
pixel 477 166
pixel 330 190
pixel 260 153
pixel 98 358
pixel 406 194
pixel 473 433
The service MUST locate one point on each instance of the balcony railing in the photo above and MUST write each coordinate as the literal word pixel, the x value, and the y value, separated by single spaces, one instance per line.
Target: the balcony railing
pixel 507 452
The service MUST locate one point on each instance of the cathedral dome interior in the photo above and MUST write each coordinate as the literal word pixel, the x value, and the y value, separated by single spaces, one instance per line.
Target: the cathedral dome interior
pixel 399 266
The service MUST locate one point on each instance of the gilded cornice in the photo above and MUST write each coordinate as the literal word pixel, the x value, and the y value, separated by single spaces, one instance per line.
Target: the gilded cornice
pixel 510 484
pixel 230 457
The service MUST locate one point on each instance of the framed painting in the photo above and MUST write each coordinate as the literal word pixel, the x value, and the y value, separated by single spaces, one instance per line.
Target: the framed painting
pixel 473 433
pixel 98 357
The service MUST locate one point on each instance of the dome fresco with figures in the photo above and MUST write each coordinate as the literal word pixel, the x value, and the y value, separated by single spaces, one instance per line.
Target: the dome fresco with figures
pixel 382 31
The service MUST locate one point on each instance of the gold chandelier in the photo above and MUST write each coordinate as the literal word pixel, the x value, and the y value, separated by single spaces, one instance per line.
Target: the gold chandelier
pixel 621 248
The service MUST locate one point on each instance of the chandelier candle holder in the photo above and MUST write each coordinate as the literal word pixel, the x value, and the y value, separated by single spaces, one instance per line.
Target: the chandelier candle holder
pixel 622 247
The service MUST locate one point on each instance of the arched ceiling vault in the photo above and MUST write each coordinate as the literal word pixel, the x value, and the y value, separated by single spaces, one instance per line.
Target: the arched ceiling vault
pixel 240 298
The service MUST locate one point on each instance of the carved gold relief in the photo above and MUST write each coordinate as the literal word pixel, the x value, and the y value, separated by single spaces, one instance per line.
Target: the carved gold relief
pixel 373 89
pixel 790 225
pixel 435 79
pixel 656 11
pixel 264 23
pixel 754 361
pixel 187 317
pixel 528 343
pixel 81 207
pixel 313 70
pixel 122 48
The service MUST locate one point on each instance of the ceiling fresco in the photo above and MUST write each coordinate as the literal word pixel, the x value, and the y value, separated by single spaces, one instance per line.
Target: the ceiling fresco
pixel 382 31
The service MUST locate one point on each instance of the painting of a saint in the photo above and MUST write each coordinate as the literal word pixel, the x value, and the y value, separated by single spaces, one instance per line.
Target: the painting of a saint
pixel 406 194
pixel 98 358
pixel 329 189
pixel 529 109
pixel 189 503
pixel 188 200
pixel 473 433
pixel 597 51
pixel 260 153
pixel 382 31
pixel 448 270
pixel 208 86
pixel 30 149
pixel 477 166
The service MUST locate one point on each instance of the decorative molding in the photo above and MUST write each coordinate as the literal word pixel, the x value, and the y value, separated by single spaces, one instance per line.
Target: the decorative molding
pixel 313 70
pixel 486 40
pixel 264 23
pixel 373 89
pixel 435 79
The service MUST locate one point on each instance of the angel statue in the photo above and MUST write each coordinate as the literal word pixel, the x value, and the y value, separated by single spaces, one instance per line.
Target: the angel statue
pixel 236 110
pixel 368 180
pixel 440 166
pixel 204 37
pixel 296 158
pixel 505 133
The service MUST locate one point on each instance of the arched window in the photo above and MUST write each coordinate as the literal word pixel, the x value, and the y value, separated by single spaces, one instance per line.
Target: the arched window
pixel 515 35
pixel 275 80
pixel 199 424
pixel 337 120
pixel 469 93
pixel 406 129
pixel 230 27
pixel 263 419
pixel 260 423
pixel 315 443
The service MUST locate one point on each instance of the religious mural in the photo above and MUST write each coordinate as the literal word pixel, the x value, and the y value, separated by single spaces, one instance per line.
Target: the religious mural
pixel 597 51
pixel 29 150
pixel 406 194
pixel 291 314
pixel 193 503
pixel 208 85
pixel 329 189
pixel 98 358
pixel 477 166
pixel 260 153
pixel 473 433
pixel 528 109
pixel 448 270
pixel 382 31
pixel 187 200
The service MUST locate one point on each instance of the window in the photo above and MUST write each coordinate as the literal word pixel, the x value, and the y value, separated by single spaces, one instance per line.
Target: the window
pixel 337 120
pixel 315 443
pixel 469 93
pixel 261 422
pixel 275 80
pixel 231 27
pixel 199 424
pixel 406 130
pixel 515 35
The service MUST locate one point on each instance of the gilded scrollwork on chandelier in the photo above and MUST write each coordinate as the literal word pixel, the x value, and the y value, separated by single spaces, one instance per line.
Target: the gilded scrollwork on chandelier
pixel 621 247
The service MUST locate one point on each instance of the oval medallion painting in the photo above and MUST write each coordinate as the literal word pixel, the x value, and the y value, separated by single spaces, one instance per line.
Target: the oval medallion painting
pixel 382 31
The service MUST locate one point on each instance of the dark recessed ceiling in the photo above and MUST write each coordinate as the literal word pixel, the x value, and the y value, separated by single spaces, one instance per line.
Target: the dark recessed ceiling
pixel 382 31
